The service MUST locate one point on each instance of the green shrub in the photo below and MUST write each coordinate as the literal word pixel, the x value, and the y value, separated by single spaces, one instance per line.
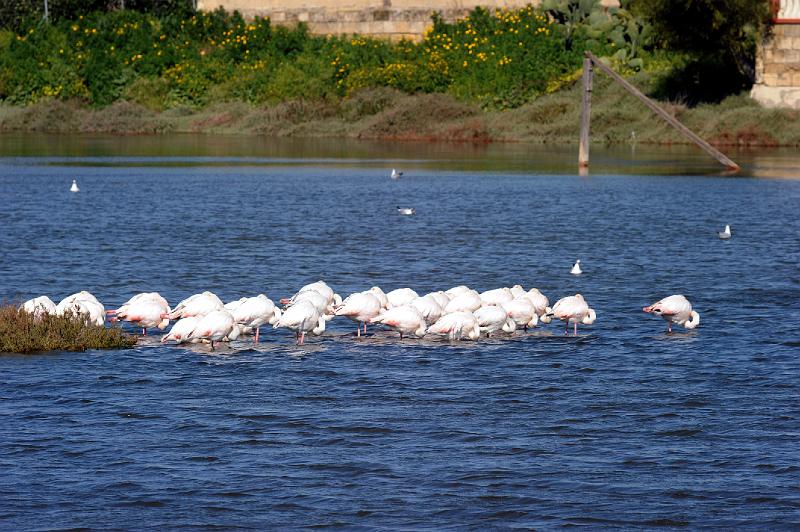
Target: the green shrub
pixel 498 59
pixel 21 333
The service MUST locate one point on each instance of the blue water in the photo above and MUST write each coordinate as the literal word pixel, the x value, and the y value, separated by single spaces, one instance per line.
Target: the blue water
pixel 623 426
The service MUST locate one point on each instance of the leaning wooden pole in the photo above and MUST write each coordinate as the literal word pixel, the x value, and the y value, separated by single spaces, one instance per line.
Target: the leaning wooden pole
pixel 671 120
pixel 586 113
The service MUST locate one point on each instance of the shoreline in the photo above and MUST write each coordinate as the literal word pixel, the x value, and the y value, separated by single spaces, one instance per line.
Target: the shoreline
pixel 389 115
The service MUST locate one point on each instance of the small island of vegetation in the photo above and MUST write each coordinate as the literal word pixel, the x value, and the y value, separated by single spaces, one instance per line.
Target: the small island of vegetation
pixel 21 332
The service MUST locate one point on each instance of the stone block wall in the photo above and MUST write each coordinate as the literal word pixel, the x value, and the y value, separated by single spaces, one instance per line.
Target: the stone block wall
pixel 778 68
pixel 393 19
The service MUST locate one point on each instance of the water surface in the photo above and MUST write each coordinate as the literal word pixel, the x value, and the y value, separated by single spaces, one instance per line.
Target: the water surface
pixel 623 426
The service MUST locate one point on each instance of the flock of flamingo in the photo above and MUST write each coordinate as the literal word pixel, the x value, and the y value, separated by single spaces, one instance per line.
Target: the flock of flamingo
pixel 458 313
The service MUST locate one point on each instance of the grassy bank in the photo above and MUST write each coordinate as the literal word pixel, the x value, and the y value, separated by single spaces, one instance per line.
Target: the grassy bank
pixel 21 333
pixel 505 75
pixel 388 114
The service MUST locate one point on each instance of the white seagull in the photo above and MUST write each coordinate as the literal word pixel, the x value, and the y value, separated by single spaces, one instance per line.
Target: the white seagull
pixel 726 234
pixel 406 211
pixel 576 269
pixel 396 174
pixel 74 187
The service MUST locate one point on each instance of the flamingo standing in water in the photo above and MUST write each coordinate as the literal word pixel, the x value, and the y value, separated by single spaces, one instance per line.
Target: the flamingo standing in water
pixel 573 309
pixel 428 307
pixel 540 304
pixel 496 296
pixel 320 287
pixel 403 319
pixel 302 317
pixel 440 297
pixel 522 311
pixel 253 312
pixel 181 330
pixel 675 309
pixel 467 301
pixel 457 325
pixel 145 310
pixel 492 318
pixel 360 307
pixel 400 297
pixel 196 305
pixel 324 305
pixel 377 292
pixel 215 326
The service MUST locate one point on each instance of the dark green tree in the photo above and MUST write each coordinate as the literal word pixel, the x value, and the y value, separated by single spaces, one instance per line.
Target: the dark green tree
pixel 14 12
pixel 718 36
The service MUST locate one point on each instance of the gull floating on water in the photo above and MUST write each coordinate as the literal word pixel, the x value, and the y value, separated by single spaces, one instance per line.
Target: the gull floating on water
pixel 74 187
pixel 576 269
pixel 726 234
pixel 396 174
pixel 406 211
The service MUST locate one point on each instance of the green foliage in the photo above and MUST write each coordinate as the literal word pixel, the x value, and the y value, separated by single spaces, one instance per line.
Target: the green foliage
pixel 498 59
pixel 14 13
pixel 716 37
pixel 20 332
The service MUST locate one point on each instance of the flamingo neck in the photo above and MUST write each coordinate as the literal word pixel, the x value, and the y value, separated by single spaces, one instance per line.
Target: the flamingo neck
pixel 693 322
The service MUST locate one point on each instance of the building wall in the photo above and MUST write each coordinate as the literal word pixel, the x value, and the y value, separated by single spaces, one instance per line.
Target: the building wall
pixel 778 68
pixel 394 19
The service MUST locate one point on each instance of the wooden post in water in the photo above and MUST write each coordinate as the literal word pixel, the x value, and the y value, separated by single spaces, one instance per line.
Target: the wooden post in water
pixel 586 111
pixel 671 120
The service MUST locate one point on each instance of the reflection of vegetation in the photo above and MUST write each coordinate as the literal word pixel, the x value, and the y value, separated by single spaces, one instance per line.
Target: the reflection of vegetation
pixel 20 332
pixel 496 59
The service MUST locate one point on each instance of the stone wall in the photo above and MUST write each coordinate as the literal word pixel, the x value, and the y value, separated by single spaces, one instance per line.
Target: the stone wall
pixel 393 19
pixel 778 68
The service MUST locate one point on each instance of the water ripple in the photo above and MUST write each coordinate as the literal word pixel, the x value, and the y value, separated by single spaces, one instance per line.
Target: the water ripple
pixel 624 426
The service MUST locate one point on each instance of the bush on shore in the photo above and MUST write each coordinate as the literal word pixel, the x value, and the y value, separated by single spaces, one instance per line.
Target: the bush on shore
pixel 21 333
pixel 497 59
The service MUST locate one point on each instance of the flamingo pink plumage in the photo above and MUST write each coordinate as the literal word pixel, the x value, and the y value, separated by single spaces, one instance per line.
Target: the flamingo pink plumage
pixel 573 309
pixel 360 307
pixel 675 309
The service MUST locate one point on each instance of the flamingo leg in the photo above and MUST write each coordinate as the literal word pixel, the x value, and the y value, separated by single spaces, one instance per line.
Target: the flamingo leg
pixel 257 329
pixel 576 329
pixel 669 327
pixel 358 331
pixel 212 345
pixel 401 335
pixel 566 328
pixel 302 338
pixel 144 331
pixel 365 327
